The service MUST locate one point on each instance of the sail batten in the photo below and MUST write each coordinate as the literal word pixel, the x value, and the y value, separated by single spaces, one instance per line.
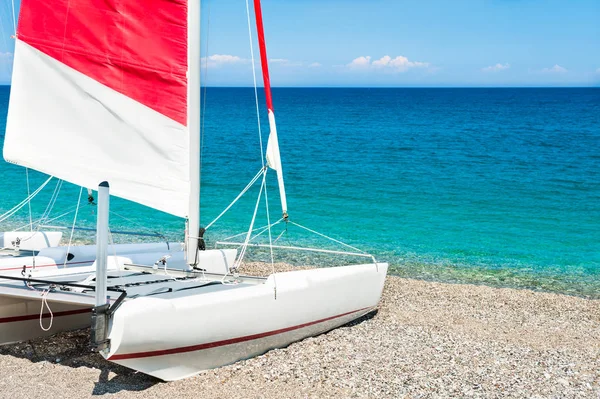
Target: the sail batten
pixel 99 93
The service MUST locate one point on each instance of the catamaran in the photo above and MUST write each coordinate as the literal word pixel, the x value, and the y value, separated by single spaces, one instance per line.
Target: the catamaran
pixel 35 250
pixel 118 82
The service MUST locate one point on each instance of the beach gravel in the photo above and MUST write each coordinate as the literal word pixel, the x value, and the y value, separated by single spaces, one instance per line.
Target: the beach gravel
pixel 427 340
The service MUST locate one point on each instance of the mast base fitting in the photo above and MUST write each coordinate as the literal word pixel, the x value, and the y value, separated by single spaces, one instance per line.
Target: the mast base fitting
pixel 99 330
pixel 201 243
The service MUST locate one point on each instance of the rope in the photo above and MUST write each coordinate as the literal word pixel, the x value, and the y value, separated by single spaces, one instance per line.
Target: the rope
pixel 260 139
pixel 73 227
pixel 21 204
pixel 270 242
pixel 289 247
pixel 249 234
pixel 138 224
pixel 13 17
pixel 254 179
pixel 52 201
pixel 329 238
pixel 280 235
pixel 45 304
pixel 202 117
pixel 28 189
pixel 267 228
pixel 114 248
pixel 2 27
pixel 258 228
pixel 39 221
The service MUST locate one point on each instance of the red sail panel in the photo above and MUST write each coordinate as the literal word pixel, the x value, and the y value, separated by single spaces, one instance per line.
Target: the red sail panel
pixel 137 48
pixel 263 53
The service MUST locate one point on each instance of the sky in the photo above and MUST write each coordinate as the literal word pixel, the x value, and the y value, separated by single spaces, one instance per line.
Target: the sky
pixel 394 43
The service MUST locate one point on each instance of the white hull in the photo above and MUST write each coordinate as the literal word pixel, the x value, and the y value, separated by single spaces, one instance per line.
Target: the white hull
pixel 20 318
pixel 52 259
pixel 20 307
pixel 29 241
pixel 174 338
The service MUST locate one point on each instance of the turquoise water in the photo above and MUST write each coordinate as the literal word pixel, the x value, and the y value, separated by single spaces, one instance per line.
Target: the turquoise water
pixel 493 186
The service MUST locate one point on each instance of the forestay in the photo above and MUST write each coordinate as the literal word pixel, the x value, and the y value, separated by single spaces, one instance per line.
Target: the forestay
pixel 99 92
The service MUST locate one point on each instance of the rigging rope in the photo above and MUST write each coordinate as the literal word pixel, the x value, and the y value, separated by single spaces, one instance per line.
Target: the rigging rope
pixel 29 202
pixel 270 241
pixel 237 264
pixel 262 150
pixel 73 228
pixel 248 186
pixel 21 204
pixel 114 248
pixel 45 304
pixel 202 117
pixel 262 154
pixel 13 18
pixel 327 237
pixel 2 27
pixel 141 226
pixel 52 201
pixel 39 221
pixel 308 249
pixel 263 228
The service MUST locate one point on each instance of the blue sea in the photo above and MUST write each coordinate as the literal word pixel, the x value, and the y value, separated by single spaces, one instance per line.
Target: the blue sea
pixel 487 186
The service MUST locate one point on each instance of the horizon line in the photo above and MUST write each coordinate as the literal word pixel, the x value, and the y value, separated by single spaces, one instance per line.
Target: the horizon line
pixel 392 87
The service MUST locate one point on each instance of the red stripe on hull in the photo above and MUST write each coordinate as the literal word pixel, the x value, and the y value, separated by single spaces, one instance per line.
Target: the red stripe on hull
pixel 45 315
pixel 137 48
pixel 231 341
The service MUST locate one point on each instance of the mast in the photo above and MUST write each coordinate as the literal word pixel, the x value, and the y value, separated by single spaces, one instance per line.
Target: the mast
pixel 273 156
pixel 102 242
pixel 193 124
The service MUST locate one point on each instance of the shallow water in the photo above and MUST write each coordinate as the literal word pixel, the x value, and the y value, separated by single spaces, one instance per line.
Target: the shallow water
pixel 492 186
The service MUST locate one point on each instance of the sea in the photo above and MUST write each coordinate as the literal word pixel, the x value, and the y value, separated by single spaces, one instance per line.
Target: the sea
pixel 494 186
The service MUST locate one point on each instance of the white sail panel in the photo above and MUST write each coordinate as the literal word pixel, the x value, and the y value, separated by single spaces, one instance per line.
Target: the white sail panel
pixel 274 160
pixel 64 123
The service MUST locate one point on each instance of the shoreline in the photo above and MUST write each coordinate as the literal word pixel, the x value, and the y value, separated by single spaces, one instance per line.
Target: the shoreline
pixel 530 277
pixel 427 339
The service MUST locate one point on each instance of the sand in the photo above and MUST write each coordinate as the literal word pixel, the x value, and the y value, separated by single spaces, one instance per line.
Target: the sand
pixel 427 340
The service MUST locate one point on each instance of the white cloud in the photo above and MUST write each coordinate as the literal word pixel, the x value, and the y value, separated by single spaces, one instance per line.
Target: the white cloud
pixel 217 60
pixel 398 64
pixel 318 65
pixel 555 69
pixel 360 62
pixel 284 62
pixel 496 68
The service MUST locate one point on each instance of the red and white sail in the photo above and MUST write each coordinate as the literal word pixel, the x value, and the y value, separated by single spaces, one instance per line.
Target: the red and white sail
pixel 273 156
pixel 100 92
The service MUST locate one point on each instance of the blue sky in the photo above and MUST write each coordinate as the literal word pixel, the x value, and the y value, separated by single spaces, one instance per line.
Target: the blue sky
pixel 398 43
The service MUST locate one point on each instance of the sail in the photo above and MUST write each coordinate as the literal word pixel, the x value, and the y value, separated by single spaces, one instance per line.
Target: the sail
pixel 273 155
pixel 99 93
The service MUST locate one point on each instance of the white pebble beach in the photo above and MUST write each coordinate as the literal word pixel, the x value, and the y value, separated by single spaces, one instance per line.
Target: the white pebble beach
pixel 427 340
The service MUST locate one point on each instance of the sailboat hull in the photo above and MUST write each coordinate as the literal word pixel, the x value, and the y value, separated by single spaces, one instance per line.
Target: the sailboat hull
pixel 48 260
pixel 22 319
pixel 27 322
pixel 177 337
pixel 29 241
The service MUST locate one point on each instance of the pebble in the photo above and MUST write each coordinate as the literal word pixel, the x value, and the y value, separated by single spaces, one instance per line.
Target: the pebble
pixel 428 340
